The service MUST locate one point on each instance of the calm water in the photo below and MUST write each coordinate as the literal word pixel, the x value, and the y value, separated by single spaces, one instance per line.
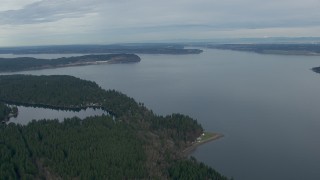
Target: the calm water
pixel 27 114
pixel 267 106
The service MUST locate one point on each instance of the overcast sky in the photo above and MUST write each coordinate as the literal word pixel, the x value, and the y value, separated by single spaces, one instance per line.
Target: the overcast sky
pixel 43 22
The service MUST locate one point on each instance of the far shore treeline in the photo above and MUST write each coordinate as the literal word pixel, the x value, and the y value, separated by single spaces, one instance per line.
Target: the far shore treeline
pixel 29 63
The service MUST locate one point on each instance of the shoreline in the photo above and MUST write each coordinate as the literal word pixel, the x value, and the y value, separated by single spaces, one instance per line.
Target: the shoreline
pixel 69 65
pixel 214 136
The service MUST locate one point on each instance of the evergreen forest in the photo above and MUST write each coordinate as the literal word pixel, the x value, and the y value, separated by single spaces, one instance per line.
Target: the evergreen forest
pixel 130 143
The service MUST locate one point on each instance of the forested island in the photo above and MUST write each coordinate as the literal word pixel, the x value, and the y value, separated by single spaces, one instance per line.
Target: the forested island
pixel 130 143
pixel 29 63
pixel 143 48
pixel 280 49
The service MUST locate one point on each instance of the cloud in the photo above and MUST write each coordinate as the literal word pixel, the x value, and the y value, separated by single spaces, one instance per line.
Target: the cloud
pixel 137 13
pixel 15 4
pixel 48 11
pixel 109 21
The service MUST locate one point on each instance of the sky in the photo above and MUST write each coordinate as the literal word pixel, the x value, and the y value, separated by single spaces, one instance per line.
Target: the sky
pixel 55 22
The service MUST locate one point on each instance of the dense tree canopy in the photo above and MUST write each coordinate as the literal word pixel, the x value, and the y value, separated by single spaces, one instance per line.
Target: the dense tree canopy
pixel 191 169
pixel 7 111
pixel 60 91
pixel 94 147
pixel 177 126
pixel 135 144
pixel 4 111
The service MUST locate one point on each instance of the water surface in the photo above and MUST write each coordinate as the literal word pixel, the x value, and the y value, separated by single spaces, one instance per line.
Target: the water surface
pixel 267 106
pixel 27 114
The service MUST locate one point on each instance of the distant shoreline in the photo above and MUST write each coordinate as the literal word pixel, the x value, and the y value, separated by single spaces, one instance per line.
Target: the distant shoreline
pixel 28 63
pixel 67 65
pixel 213 137
pixel 275 49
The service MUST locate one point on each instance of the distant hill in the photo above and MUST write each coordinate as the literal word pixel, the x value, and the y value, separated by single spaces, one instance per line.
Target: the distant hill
pixel 281 49
pixel 28 63
pixel 88 49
